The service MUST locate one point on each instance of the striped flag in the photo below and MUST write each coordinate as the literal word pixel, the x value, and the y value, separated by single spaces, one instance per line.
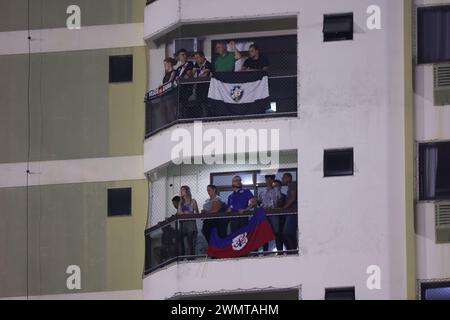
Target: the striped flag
pixel 239 92
pixel 248 239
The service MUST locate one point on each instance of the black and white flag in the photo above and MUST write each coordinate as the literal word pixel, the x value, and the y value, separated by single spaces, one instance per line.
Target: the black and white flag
pixel 244 92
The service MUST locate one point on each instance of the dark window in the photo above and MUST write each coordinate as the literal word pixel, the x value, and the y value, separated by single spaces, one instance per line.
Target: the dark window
pixel 120 68
pixel 119 202
pixel 435 291
pixel 253 180
pixel 338 27
pixel 433 34
pixel 338 162
pixel 434 171
pixel 340 293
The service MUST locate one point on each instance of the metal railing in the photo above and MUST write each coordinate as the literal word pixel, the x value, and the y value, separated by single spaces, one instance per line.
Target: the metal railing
pixel 187 101
pixel 185 237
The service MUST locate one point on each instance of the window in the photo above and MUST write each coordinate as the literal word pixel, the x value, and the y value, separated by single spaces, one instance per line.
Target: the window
pixel 338 162
pixel 120 69
pixel 252 180
pixel 435 291
pixel 340 293
pixel 434 171
pixel 119 202
pixel 433 34
pixel 338 27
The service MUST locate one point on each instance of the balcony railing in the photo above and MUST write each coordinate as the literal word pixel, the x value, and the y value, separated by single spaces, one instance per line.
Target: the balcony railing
pixel 184 237
pixel 187 101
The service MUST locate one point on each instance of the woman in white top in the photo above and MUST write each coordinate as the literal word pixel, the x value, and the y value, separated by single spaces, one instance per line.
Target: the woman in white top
pixel 214 204
pixel 187 205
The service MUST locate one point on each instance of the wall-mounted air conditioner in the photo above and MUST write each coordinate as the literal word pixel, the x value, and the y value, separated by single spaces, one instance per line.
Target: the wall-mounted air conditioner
pixel 191 45
pixel 441 84
pixel 442 218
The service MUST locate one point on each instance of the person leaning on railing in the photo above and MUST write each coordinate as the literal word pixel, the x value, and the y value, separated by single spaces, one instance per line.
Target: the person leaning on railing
pixel 291 221
pixel 188 228
pixel 270 199
pixel 239 201
pixel 169 67
pixel 255 61
pixel 214 205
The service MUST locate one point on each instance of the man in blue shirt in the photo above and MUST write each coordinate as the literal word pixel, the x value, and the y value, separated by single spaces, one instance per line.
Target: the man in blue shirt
pixel 239 201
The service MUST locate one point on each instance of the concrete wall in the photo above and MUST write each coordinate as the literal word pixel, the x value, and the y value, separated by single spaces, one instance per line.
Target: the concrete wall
pixel 75 113
pixel 433 260
pixel 68 225
pixel 351 94
pixel 86 136
pixel 46 14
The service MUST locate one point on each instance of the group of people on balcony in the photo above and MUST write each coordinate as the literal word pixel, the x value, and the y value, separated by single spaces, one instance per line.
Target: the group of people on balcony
pixel 182 68
pixel 240 201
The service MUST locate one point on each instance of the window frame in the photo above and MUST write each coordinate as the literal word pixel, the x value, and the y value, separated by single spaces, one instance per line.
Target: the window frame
pixel 419 32
pixel 424 286
pixel 336 36
pixel 343 173
pixel 111 58
pixel 350 290
pixel 108 204
pixel 421 169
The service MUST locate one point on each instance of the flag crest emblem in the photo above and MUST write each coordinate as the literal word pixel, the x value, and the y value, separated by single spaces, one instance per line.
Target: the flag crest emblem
pixel 236 93
pixel 246 240
pixel 239 242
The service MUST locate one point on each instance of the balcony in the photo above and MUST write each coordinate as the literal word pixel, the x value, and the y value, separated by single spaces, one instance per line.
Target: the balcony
pixel 166 235
pixel 168 242
pixel 187 101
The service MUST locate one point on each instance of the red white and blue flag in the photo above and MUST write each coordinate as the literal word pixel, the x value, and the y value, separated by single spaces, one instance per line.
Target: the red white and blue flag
pixel 248 239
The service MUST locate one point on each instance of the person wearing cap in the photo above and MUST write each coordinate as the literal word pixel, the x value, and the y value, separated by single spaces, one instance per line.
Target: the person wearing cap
pixel 239 201
pixel 271 199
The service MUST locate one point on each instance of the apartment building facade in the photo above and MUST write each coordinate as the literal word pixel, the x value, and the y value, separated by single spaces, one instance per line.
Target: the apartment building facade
pixel 357 113
pixel 363 106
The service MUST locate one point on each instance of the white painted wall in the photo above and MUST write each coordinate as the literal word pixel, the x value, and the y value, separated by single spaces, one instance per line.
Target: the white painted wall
pixel 71 171
pixel 63 39
pixel 350 95
pixel 433 260
pixel 432 122
pixel 160 17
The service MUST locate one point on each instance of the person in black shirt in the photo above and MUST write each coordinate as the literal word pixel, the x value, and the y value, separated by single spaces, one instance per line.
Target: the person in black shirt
pixel 184 71
pixel 255 61
pixel 202 71
pixel 169 64
pixel 202 67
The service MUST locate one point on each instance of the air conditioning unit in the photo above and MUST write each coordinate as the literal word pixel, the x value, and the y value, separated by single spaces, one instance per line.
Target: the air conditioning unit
pixel 441 84
pixel 442 218
pixel 191 45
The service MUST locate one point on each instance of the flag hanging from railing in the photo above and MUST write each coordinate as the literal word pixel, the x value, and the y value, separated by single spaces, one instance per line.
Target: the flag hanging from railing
pixel 248 239
pixel 239 92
